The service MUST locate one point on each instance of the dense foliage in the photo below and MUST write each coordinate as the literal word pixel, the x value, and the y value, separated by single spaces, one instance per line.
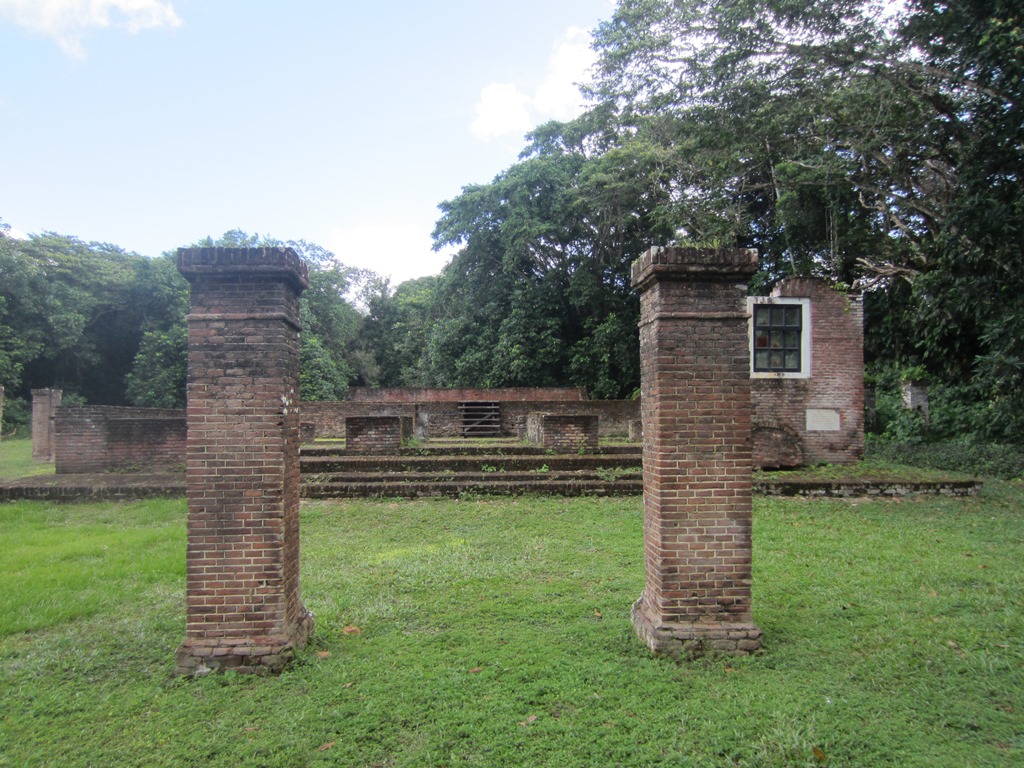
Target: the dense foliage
pixel 882 150
pixel 108 327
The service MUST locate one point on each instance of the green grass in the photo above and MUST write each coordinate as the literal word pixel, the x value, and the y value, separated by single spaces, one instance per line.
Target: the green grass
pixel 868 470
pixel 16 459
pixel 497 633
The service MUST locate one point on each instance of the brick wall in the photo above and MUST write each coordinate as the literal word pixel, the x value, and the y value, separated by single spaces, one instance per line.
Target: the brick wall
pixel 107 438
pixel 462 395
pixel 824 412
pixel 695 384
pixel 443 418
pixel 373 434
pixel 563 433
pixel 328 417
pixel 243 609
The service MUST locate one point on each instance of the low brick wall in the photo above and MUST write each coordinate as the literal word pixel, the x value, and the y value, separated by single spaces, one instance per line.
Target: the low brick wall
pixel 614 416
pixel 563 433
pixel 328 417
pixel 102 438
pixel 462 395
pixel 444 419
pixel 373 434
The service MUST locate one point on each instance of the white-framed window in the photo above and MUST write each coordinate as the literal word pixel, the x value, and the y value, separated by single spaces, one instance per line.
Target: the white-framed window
pixel 780 338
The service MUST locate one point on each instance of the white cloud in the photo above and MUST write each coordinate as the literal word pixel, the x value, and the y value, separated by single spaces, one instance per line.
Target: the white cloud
pixel 14 234
pixel 505 109
pixel 401 250
pixel 502 109
pixel 67 20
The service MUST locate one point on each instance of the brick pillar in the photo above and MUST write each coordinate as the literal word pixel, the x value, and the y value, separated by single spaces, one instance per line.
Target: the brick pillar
pixel 695 407
pixel 244 611
pixel 44 404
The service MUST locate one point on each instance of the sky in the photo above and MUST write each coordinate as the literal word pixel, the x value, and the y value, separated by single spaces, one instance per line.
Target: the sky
pixel 151 124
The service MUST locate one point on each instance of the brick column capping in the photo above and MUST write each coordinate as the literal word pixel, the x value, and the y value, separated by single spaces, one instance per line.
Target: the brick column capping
pixel 243 611
pixel 44 404
pixel 695 395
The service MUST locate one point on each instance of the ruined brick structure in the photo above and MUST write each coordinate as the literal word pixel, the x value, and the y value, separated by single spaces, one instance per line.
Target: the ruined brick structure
pixel 44 406
pixel 915 398
pixel 814 412
pixel 373 434
pixel 104 438
pixel 436 412
pixel 563 433
pixel 461 394
pixel 244 611
pixel 695 385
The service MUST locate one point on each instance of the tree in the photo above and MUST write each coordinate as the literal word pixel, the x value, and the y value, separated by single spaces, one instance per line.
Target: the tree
pixel 841 142
pixel 332 353
pixel 397 326
pixel 69 316
pixel 539 294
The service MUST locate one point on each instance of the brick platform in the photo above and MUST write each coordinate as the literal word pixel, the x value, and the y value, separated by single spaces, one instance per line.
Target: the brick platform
pixel 695 391
pixel 243 606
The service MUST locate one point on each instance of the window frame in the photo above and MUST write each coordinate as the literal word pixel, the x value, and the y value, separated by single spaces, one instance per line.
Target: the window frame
pixel 805 336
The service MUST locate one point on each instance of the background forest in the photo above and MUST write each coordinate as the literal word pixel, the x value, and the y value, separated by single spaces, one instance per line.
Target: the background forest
pixel 881 150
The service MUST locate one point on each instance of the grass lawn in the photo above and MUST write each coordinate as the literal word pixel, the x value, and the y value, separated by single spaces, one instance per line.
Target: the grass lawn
pixel 16 459
pixel 496 633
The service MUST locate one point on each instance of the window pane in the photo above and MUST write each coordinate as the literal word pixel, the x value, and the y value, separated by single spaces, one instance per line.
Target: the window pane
pixel 778 333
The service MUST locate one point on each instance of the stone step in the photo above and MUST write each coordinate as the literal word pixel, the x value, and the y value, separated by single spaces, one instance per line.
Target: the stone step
pixel 460 447
pixel 458 463
pixel 414 489
pixel 535 476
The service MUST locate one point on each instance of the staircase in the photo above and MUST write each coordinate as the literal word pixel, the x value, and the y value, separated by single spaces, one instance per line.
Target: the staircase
pixel 458 467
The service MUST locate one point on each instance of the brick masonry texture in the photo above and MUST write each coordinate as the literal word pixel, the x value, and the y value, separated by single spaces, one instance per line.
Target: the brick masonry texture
pixel 464 394
pixel 243 607
pixel 102 438
pixel 836 384
pixel 442 418
pixel 373 434
pixel 563 433
pixel 44 405
pixel 695 386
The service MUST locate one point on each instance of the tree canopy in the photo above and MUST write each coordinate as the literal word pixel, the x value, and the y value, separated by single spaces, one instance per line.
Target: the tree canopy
pixel 108 326
pixel 878 146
